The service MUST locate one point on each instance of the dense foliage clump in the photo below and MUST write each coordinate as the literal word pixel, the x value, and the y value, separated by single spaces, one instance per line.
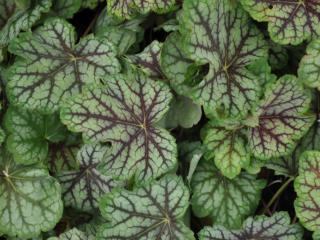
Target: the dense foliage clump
pixel 160 119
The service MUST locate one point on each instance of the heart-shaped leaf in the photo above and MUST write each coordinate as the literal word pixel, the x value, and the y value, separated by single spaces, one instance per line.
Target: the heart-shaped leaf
pixel 30 134
pixel 289 21
pixel 222 35
pixel 30 200
pixel 281 120
pixel 227 202
pixel 53 67
pixel 307 186
pixel 82 189
pixel 128 8
pixel 276 227
pixel 149 212
pixel 125 111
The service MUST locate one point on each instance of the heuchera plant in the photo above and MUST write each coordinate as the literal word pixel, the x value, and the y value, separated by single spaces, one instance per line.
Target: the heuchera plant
pixel 160 119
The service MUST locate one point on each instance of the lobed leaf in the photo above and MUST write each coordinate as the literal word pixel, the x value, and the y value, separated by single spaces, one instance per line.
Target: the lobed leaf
pixel 227 148
pixel 21 19
pixel 307 186
pixel 228 202
pixel 30 134
pixel 30 200
pixel 149 212
pixel 282 119
pixel 222 35
pixel 309 66
pixel 125 112
pixel 52 68
pixel 128 8
pixel 289 21
pixel 83 188
pixel 261 227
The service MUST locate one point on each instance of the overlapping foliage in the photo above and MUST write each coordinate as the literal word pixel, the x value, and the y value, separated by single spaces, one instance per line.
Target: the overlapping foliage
pixel 160 119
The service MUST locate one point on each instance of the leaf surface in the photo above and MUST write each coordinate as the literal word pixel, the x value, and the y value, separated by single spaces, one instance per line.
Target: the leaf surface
pixel 222 35
pixel 83 188
pixel 149 212
pixel 128 8
pixel 124 112
pixel 30 200
pixel 52 67
pixel 261 227
pixel 30 134
pixel 227 202
pixel 283 119
pixel 22 19
pixel 289 21
pixel 307 187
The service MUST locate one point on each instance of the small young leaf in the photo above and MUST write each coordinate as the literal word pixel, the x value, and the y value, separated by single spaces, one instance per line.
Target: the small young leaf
pixel 183 112
pixel 289 22
pixel 53 67
pixel 276 227
pixel 223 36
pixel 82 189
pixel 307 186
pixel 128 8
pixel 309 68
pixel 282 119
pixel 30 134
pixel 30 200
pixel 123 34
pixel 22 20
pixel 226 201
pixel 149 60
pixel 125 111
pixel 227 148
pixel 149 212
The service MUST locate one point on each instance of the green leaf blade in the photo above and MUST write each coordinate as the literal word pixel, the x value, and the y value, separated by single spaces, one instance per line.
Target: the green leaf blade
pixel 226 201
pixel 125 112
pixel 30 201
pixel 54 68
pixel 283 119
pixel 150 210
pixel 222 35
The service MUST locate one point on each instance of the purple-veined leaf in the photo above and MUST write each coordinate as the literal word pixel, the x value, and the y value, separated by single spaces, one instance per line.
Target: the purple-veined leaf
pixel 124 112
pixel 225 201
pixel 153 211
pixel 281 119
pixel 276 227
pixel 307 187
pixel 149 60
pixel 83 188
pixel 51 67
pixel 129 8
pixel 227 147
pixel 222 35
pixel 30 200
pixel 289 21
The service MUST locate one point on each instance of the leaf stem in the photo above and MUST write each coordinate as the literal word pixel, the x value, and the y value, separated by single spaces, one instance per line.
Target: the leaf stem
pixel 277 194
